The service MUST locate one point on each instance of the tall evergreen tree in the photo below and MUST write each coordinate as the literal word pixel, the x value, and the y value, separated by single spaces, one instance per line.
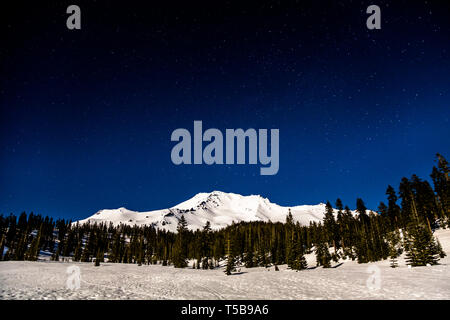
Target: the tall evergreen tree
pixel 421 246
pixel 179 253
pixel 297 260
pixel 231 260
pixel 393 210
pixel 33 251
pixel 362 211
pixel 441 181
pixel 330 226
pixel 98 258
pixel 323 256
pixel 394 241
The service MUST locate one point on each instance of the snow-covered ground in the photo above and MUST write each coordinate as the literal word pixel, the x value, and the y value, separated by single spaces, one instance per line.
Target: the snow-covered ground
pixel 348 280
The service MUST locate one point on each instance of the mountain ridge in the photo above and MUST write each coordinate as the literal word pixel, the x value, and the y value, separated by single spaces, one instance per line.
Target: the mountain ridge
pixel 219 208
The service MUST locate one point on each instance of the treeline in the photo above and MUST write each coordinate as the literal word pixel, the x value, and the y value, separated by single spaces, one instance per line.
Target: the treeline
pixel 404 223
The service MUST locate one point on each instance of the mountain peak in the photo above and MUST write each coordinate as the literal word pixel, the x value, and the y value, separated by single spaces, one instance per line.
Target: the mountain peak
pixel 219 208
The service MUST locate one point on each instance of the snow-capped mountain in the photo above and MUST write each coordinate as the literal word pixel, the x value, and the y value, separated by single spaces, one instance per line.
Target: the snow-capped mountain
pixel 219 208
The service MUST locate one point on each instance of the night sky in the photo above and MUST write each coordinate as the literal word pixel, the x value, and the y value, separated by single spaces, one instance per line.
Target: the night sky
pixel 86 115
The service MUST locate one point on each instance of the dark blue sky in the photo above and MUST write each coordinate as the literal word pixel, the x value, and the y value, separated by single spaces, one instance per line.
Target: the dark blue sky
pixel 86 116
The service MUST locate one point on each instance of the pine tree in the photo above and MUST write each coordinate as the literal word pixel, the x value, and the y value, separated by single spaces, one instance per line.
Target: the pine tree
pixel 393 254
pixel 323 256
pixel 393 258
pixel 289 236
pixel 140 254
pixel 249 259
pixel 179 253
pixel 33 250
pixel 231 261
pixel 299 263
pixel 348 233
pixel 182 225
pixel 362 211
pixel 297 259
pixel 341 223
pixel 393 239
pixel 362 246
pixel 21 247
pixel 98 258
pixel 289 218
pixel 205 247
pixel 330 226
pixel 78 251
pixel 441 181
pixel 231 265
pixel 421 248
pixel 114 255
pixel 57 253
pixel 393 210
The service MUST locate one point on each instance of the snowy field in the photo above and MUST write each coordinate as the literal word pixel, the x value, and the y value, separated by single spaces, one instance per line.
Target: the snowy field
pixel 347 280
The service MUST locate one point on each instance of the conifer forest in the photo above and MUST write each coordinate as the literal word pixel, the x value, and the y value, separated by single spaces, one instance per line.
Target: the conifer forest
pixel 403 223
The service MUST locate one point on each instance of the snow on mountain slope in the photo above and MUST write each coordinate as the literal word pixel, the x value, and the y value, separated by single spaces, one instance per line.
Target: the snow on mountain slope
pixel 219 208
